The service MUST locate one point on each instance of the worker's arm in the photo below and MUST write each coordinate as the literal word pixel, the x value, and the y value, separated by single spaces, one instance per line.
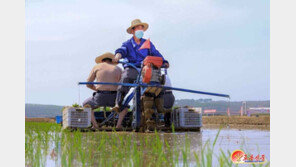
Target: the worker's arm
pixel 121 52
pixel 91 78
pixel 155 52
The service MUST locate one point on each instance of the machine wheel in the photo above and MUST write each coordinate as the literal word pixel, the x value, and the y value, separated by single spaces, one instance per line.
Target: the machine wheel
pixel 137 129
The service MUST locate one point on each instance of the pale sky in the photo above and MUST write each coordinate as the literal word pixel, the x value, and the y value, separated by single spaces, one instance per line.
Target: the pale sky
pixel 219 46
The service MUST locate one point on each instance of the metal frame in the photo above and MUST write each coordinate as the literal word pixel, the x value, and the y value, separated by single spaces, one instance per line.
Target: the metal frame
pixel 139 89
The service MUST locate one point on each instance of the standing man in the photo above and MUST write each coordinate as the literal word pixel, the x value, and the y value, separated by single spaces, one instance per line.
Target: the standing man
pixel 104 71
pixel 130 51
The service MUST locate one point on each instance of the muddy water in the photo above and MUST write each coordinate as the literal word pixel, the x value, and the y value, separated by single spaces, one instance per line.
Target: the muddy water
pixel 251 141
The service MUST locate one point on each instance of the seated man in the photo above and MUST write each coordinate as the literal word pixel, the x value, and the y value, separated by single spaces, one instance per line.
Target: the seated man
pixel 104 71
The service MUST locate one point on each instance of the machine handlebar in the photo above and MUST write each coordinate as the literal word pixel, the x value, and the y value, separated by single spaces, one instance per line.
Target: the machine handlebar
pixel 126 62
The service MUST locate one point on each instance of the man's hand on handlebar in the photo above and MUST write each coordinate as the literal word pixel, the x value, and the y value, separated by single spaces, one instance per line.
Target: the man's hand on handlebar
pixel 117 57
pixel 166 65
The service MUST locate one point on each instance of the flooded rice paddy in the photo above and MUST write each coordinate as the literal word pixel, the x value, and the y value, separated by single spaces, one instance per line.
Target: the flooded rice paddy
pixel 47 145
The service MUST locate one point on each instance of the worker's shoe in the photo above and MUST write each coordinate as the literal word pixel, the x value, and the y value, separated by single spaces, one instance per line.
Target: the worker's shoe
pixel 116 108
pixel 87 106
pixel 118 102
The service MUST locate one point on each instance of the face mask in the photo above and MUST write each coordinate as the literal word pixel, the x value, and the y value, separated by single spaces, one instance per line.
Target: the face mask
pixel 139 34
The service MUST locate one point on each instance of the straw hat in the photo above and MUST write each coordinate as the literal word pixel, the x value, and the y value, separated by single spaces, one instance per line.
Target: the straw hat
pixel 103 56
pixel 135 23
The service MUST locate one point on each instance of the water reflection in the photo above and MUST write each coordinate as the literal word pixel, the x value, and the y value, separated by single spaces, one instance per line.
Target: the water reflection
pixel 107 148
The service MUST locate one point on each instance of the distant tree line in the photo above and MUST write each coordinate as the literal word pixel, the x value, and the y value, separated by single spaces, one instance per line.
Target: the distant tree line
pixel 40 110
pixel 43 111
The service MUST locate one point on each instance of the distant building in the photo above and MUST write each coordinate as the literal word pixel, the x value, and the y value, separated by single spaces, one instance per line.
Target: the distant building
pixel 258 110
pixel 204 100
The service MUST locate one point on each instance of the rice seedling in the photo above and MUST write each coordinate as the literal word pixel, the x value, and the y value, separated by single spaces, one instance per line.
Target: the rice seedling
pixel 46 143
